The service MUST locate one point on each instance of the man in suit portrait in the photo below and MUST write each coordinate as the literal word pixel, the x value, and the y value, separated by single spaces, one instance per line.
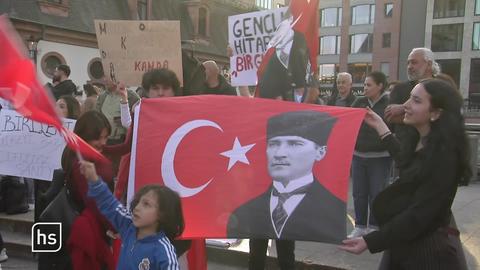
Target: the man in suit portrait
pixel 296 206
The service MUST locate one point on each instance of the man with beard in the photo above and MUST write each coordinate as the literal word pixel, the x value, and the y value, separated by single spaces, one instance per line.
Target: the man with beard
pixel 420 65
pixel 65 86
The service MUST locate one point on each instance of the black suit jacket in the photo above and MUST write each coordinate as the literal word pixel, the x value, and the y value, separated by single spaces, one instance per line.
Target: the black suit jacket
pixel 320 216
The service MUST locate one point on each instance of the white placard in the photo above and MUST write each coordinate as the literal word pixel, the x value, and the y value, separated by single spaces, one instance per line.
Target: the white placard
pixel 30 149
pixel 248 36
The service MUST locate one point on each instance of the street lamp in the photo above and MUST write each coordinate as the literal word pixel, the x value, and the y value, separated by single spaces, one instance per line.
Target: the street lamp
pixel 32 48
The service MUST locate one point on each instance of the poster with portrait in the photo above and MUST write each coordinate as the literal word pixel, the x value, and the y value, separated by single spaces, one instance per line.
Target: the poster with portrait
pixel 279 170
pixel 248 36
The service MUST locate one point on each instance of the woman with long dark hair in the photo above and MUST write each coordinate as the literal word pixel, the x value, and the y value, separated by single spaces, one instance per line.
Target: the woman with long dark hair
pixel 417 229
pixel 87 243
pixel 68 107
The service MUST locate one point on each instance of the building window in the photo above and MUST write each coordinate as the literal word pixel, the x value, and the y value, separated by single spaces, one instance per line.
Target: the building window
pixel 329 45
pixel 361 43
pixel 451 67
pixel 95 69
pixel 142 7
pixel 50 61
pixel 331 17
pixel 385 68
pixel 202 22
pixel 327 73
pixel 474 87
pixel 359 71
pixel 476 36
pixel 54 7
pixel 386 40
pixel 477 7
pixel 363 14
pixel 388 9
pixel 266 4
pixel 448 8
pixel 447 37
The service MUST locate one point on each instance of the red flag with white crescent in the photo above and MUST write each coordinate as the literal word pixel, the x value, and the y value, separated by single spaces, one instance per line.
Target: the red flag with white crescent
pixel 222 154
pixel 20 86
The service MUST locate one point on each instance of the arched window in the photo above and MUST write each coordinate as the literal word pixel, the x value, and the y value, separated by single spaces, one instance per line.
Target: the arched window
pixel 95 69
pixel 50 61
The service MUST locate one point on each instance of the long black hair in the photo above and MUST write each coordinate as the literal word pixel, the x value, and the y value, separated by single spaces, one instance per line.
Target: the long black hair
pixel 169 206
pixel 73 106
pixel 88 127
pixel 447 134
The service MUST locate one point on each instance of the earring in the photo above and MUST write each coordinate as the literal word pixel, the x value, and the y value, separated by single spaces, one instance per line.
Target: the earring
pixel 431 119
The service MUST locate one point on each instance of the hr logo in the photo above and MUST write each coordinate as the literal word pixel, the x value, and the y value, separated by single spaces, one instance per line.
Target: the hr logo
pixel 46 237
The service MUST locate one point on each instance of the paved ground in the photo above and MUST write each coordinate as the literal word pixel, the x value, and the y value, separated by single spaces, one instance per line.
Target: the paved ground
pixel 466 209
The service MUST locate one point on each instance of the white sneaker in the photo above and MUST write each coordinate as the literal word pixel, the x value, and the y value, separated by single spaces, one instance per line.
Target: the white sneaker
pixel 3 255
pixel 357 232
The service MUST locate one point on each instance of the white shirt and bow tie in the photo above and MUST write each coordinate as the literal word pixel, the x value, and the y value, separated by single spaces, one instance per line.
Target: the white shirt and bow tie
pixel 292 202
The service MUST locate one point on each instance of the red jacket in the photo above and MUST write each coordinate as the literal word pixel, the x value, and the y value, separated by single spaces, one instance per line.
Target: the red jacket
pixel 86 244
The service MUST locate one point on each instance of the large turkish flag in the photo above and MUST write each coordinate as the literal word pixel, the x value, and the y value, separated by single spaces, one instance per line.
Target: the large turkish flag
pixel 212 151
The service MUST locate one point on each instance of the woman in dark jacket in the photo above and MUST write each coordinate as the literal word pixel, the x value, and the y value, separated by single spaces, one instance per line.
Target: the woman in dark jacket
pixel 371 161
pixel 414 213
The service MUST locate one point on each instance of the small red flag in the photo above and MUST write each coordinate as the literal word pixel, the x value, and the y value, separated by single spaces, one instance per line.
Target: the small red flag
pixel 20 86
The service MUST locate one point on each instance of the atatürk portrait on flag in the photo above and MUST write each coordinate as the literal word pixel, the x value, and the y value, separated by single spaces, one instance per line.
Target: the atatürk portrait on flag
pixel 296 206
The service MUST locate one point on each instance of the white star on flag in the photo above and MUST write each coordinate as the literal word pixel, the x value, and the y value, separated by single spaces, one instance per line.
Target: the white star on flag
pixel 237 153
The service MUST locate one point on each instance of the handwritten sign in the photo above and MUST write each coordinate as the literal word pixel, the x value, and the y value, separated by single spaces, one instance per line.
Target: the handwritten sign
pixel 5 104
pixel 248 36
pixel 29 149
pixel 130 48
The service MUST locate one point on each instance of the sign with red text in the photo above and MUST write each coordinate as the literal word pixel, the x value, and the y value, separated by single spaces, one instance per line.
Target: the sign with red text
pixel 227 169
pixel 248 36
pixel 28 148
pixel 130 48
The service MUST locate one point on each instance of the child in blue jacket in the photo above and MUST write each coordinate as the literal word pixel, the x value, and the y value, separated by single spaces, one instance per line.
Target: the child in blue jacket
pixel 154 220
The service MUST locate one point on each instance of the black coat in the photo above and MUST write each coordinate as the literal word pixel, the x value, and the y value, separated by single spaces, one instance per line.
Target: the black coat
pixel 66 87
pixel 399 95
pixel 413 209
pixel 368 139
pixel 349 100
pixel 223 88
pixel 320 216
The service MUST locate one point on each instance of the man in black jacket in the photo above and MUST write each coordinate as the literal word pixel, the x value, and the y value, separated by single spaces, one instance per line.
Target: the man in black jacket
pixel 421 65
pixel 65 85
pixel 296 206
pixel 216 84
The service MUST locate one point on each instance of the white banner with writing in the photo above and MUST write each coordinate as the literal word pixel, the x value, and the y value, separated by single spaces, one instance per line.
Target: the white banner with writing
pixel 248 36
pixel 30 149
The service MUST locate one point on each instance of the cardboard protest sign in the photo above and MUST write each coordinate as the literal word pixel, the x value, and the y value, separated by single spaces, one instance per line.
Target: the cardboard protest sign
pixel 130 48
pixel 30 149
pixel 248 36
pixel 230 166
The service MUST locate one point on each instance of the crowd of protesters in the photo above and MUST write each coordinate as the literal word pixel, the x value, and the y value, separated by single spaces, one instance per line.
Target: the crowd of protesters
pixel 421 213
